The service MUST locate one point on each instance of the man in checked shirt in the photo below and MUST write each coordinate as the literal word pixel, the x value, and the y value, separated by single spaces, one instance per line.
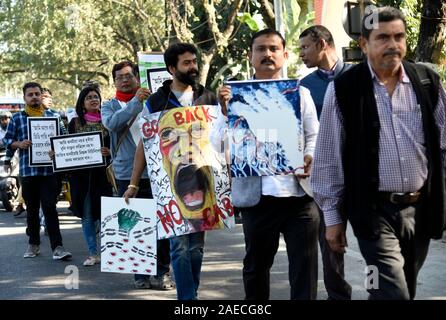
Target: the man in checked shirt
pixel 39 184
pixel 379 159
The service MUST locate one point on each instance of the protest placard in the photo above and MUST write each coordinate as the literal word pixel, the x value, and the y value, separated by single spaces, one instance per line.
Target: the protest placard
pixel 40 130
pixel 128 236
pixel 188 173
pixel 152 70
pixel 265 132
pixel 77 151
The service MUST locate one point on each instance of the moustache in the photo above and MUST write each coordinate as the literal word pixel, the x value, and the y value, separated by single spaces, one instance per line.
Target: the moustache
pixel 193 72
pixel 267 60
pixel 392 53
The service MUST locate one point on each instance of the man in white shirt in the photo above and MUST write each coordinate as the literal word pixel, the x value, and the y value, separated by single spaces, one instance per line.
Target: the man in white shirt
pixel 278 204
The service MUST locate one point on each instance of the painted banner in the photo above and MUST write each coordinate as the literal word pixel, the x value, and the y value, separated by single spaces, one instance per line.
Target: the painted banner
pixel 77 151
pixel 152 70
pixel 189 176
pixel 128 236
pixel 40 130
pixel 265 133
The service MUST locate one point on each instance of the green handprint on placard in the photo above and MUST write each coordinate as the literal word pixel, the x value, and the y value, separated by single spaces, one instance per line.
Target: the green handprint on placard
pixel 127 219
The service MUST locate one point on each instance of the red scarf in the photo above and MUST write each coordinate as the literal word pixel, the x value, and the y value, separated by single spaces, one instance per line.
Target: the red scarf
pixel 125 97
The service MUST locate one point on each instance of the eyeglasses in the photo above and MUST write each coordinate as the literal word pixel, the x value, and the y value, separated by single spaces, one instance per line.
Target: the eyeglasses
pixel 88 98
pixel 124 77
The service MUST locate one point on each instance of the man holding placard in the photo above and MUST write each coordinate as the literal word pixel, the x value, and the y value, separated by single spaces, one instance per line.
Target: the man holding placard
pixel 175 95
pixel 277 204
pixel 38 180
pixel 120 116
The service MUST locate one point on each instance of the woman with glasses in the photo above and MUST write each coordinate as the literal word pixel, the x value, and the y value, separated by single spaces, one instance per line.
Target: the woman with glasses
pixel 88 185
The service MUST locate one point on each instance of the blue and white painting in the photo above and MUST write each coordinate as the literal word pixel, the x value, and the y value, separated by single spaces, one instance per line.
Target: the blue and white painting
pixel 265 131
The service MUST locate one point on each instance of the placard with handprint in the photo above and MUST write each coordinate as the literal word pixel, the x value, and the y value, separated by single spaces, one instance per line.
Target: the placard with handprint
pixel 128 236
pixel 188 171
pixel 265 133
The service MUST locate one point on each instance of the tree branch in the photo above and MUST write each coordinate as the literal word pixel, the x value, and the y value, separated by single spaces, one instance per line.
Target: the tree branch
pixel 268 13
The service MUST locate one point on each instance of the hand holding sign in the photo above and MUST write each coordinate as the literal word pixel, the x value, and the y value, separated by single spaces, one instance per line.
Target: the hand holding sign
pixel 142 94
pixel 24 144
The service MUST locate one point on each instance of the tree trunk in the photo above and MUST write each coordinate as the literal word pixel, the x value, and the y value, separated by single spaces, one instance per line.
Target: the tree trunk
pixel 267 11
pixel 206 59
pixel 432 31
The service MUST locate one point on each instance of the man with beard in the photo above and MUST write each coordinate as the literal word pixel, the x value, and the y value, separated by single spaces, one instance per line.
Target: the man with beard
pixel 186 250
pixel 381 154
pixel 272 205
pixel 120 116
pixel 39 184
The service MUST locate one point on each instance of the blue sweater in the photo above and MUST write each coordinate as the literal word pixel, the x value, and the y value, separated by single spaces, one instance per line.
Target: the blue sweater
pixel 317 82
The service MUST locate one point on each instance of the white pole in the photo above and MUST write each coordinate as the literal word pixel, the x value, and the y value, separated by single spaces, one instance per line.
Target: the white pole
pixel 280 26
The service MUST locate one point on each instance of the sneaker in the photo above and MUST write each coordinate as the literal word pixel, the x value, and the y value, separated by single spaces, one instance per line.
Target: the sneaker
pixel 60 254
pixel 92 260
pixel 32 251
pixel 163 282
pixel 142 284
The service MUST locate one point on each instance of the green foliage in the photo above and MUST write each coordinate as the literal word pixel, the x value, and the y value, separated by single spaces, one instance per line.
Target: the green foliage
pixel 412 12
pixel 442 71
pixel 66 42
pixel 294 62
pixel 295 21
pixel 254 22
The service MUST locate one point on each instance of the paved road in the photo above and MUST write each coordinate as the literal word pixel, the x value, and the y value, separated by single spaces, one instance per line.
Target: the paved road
pixel 43 278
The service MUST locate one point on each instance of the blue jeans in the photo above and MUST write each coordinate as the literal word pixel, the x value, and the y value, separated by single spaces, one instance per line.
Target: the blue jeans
pixel 89 228
pixel 186 253
pixel 163 258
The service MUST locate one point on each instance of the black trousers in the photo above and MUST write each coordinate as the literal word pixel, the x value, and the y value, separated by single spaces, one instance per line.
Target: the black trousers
pixel 163 246
pixel 397 254
pixel 333 268
pixel 42 191
pixel 297 218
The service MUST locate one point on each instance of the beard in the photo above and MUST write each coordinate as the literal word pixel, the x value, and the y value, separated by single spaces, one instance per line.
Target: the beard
pixel 189 78
pixel 35 105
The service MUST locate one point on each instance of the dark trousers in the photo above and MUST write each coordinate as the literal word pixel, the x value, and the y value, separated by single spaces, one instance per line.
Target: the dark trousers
pixel 398 253
pixel 41 191
pixel 163 246
pixel 333 268
pixel 297 218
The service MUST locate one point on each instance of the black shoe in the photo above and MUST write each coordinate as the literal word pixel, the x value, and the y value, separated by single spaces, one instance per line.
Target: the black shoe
pixel 18 210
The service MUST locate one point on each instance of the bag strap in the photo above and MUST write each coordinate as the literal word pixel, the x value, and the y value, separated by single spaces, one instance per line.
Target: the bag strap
pixel 429 82
pixel 124 134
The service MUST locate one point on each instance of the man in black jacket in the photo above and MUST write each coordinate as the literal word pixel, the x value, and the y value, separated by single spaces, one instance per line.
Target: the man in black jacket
pixel 380 156
pixel 186 250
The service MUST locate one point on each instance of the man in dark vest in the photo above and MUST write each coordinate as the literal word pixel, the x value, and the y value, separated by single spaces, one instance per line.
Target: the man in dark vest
pixel 379 156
